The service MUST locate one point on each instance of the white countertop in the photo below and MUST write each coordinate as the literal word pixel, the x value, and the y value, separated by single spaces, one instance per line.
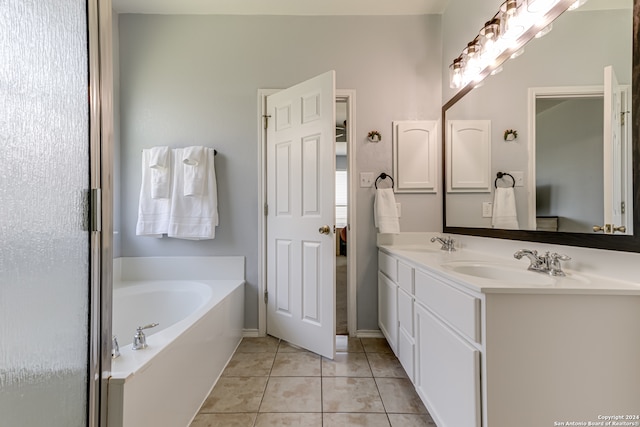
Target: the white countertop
pixel 431 258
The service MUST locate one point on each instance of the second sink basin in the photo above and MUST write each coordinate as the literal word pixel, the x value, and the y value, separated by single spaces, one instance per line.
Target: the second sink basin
pixel 498 273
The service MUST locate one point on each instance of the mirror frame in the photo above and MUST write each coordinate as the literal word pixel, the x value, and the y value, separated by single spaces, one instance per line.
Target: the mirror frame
pixel 625 243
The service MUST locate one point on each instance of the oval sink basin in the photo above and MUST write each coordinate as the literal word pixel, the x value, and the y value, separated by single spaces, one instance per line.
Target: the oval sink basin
pixel 499 273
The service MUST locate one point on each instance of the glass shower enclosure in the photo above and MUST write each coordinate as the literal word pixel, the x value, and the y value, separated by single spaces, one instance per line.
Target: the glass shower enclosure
pixel 46 264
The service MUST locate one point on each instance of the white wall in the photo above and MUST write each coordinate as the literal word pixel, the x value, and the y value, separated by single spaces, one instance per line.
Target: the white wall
pixel 189 80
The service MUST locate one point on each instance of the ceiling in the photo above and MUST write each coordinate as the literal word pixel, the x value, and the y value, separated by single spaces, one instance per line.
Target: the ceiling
pixel 281 7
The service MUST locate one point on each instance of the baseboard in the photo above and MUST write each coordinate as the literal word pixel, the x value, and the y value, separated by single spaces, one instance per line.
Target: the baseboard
pixel 366 333
pixel 250 333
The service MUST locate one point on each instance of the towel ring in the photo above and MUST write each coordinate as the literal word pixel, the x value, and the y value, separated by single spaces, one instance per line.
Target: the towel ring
pixel 500 175
pixel 384 176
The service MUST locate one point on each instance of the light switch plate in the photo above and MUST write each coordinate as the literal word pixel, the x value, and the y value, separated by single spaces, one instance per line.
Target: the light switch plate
pixel 366 179
pixel 399 209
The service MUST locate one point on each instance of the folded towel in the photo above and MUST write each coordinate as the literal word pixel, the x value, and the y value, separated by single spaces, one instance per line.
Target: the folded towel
pixel 194 160
pixel 160 172
pixel 153 214
pixel 504 209
pixel 194 217
pixel 385 212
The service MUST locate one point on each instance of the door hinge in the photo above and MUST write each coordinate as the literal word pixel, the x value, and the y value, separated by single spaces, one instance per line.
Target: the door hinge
pixel 266 209
pixel 95 209
pixel 266 297
pixel 266 120
pixel 622 207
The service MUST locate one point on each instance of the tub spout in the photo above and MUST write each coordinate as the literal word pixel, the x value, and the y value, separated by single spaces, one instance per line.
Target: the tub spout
pixel 140 339
pixel 115 348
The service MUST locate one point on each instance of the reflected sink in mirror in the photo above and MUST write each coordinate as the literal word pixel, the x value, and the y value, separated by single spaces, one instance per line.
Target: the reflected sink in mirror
pixel 499 273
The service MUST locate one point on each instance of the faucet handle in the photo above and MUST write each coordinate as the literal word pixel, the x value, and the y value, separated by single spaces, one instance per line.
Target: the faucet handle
pixel 150 325
pixel 559 257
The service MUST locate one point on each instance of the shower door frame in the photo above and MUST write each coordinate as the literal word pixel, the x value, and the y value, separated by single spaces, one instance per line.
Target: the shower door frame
pixel 100 65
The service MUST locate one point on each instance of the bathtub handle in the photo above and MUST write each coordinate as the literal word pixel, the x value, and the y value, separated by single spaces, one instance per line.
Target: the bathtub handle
pixel 150 325
pixel 139 339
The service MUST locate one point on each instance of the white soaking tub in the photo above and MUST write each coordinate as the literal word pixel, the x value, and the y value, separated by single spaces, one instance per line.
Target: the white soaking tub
pixel 199 327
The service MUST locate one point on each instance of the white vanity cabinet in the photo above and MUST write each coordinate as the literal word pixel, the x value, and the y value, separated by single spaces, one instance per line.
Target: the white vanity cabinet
pixel 512 355
pixel 447 353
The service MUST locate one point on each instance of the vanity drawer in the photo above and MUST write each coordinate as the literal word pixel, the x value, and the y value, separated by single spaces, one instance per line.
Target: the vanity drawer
pixel 459 309
pixel 388 265
pixel 405 277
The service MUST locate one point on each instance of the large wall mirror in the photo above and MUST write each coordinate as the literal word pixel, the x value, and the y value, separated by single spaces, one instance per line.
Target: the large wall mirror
pixel 569 175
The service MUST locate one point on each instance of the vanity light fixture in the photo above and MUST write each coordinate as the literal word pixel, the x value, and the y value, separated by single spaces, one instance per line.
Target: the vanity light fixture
pixel 543 32
pixel 503 36
pixel 456 74
pixel 540 6
pixel 577 4
pixel 517 53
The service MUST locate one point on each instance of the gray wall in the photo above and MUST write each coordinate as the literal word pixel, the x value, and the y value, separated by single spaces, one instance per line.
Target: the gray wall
pixel 189 80
pixel 575 53
pixel 569 166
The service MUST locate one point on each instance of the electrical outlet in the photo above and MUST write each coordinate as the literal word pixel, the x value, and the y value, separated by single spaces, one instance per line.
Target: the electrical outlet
pixel 366 179
pixel 487 209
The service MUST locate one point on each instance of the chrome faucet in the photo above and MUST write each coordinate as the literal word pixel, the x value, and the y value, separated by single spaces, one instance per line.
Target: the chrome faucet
pixel 447 243
pixel 140 339
pixel 549 263
pixel 115 348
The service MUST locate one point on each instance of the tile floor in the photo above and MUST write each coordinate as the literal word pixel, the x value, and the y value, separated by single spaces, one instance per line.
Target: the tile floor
pixel 271 383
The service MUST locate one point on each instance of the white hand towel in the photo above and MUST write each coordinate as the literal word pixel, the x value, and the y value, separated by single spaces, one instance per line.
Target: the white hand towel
pixel 385 212
pixel 504 209
pixel 153 214
pixel 194 217
pixel 160 172
pixel 194 160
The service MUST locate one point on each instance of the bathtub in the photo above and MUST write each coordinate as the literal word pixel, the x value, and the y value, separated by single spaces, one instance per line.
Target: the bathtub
pixel 198 303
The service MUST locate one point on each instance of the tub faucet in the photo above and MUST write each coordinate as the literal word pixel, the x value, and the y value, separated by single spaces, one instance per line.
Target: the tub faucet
pixel 140 339
pixel 115 348
pixel 549 263
pixel 447 243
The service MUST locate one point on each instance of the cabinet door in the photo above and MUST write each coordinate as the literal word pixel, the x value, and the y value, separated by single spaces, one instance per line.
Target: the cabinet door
pixel 388 310
pixel 406 342
pixel 447 372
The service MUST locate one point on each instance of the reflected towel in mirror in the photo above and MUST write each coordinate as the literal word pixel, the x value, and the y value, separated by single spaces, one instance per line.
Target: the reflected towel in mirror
pixel 505 215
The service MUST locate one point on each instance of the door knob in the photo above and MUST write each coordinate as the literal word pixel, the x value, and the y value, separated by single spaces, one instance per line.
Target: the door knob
pixel 605 228
pixel 325 229
pixel 621 229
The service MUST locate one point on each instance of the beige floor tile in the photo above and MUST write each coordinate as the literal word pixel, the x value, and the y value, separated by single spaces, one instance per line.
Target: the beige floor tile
pixel 286 347
pixel 266 344
pixel 348 394
pixel 376 345
pixel 293 420
pixel 345 343
pixel 355 420
pixel 249 365
pixel 346 365
pixel 411 420
pixel 296 365
pixel 386 365
pixel 292 394
pixel 224 420
pixel 399 396
pixel 235 394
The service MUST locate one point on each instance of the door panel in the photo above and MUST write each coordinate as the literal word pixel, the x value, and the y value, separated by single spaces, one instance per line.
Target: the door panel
pixel 300 196
pixel 613 171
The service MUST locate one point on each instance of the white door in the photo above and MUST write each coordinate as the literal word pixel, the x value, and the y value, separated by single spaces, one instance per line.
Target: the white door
pixel 613 192
pixel 300 215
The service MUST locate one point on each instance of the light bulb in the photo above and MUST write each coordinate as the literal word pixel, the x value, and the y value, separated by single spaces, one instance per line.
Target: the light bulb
pixel 540 6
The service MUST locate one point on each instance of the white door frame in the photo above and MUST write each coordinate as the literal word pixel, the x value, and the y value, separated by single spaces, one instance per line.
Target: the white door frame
pixel 343 94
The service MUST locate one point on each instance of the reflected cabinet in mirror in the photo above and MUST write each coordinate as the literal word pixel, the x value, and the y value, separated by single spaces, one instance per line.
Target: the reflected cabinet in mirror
pixel 547 149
